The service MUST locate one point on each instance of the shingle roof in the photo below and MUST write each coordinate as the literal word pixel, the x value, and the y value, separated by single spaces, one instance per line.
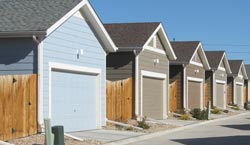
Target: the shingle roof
pixel 235 66
pixel 32 15
pixel 127 35
pixel 214 58
pixel 184 50
pixel 247 66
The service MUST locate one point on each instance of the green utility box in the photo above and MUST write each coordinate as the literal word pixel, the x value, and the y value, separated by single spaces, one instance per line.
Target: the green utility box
pixel 59 135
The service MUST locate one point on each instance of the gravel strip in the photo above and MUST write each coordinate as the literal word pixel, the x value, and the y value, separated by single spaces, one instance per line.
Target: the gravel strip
pixel 39 140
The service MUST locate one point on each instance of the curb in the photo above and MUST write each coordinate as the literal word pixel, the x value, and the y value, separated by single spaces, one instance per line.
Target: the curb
pixel 156 134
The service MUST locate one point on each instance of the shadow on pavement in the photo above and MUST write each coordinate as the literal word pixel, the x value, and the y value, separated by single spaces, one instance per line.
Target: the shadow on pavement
pixel 239 127
pixel 228 140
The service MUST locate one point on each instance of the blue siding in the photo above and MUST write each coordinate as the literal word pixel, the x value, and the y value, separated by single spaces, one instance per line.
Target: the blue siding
pixel 62 45
pixel 18 56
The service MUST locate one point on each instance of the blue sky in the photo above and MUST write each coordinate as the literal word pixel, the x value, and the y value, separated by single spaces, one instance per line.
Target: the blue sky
pixel 219 24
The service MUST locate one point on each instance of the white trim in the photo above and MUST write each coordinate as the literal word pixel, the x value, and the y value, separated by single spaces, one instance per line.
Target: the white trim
pixel 168 47
pixel 202 56
pixel 155 50
pixel 153 74
pixel 89 14
pixel 196 63
pixel 239 83
pixel 240 76
pixel 154 41
pixel 137 87
pixel 221 68
pixel 74 68
pixel 40 84
pixel 65 17
pixel 201 81
pixel 220 82
pixel 159 76
pixel 92 17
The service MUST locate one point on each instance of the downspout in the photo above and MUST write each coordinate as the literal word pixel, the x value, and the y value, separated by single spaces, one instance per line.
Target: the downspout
pixel 214 103
pixel 185 103
pixel 40 81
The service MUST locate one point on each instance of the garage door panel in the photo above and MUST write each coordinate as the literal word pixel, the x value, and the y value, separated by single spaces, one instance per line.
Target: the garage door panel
pixel 153 98
pixel 239 94
pixel 194 94
pixel 73 100
pixel 220 95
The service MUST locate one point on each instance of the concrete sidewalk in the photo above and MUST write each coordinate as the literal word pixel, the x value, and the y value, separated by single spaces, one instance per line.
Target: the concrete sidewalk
pixel 106 136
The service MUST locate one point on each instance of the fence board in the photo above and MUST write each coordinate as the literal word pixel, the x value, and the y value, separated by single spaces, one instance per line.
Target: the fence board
pixel 1 110
pixel 16 91
pixel 119 100
pixel 173 101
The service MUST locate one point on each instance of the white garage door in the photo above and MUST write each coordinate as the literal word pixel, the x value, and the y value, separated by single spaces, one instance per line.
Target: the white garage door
pixel 153 98
pixel 73 100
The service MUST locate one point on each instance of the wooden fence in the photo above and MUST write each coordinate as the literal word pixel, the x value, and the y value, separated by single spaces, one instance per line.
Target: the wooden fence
pixel 18 106
pixel 119 100
pixel 173 100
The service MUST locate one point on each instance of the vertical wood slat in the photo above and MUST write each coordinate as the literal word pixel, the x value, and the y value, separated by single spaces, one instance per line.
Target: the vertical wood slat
pixel 173 101
pixel 207 95
pixel 33 105
pixel 8 100
pixel 119 100
pixel 1 109
pixel 16 112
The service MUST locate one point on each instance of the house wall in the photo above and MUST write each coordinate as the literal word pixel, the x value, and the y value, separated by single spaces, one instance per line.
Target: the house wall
pixel 120 65
pixel 146 62
pixel 176 74
pixel 18 56
pixel 61 46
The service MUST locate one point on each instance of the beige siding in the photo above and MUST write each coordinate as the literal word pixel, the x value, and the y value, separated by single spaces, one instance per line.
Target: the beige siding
pixel 152 98
pixel 159 43
pixel 146 63
pixel 220 75
pixel 196 58
pixel 190 71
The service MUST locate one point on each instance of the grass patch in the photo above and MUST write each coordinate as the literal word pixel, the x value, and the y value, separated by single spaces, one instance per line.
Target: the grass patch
pixel 185 117
pixel 199 114
pixel 216 111
pixel 143 124
pixel 236 107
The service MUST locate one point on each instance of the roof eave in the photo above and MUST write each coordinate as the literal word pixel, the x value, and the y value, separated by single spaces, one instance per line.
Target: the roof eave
pixel 22 34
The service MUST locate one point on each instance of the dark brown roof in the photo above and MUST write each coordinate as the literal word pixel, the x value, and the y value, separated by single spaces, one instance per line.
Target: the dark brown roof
pixel 235 66
pixel 247 66
pixel 131 34
pixel 214 58
pixel 184 50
